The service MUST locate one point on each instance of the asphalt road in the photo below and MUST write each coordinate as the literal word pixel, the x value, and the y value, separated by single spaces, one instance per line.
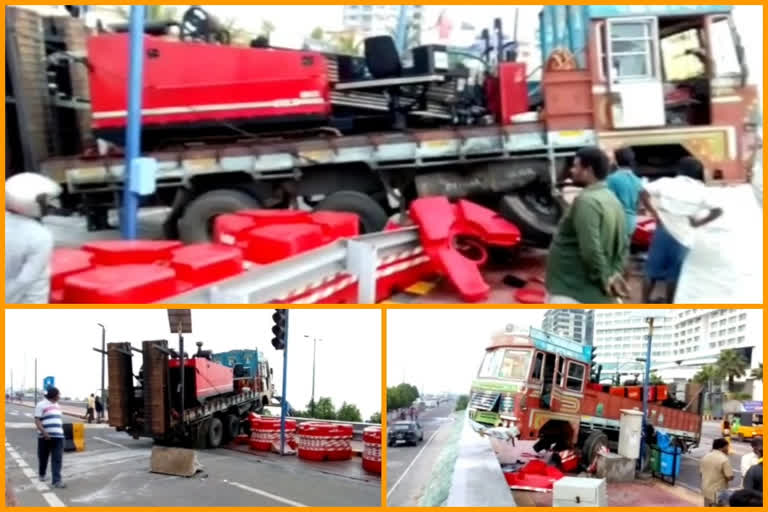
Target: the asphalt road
pixel 689 466
pixel 409 468
pixel 114 471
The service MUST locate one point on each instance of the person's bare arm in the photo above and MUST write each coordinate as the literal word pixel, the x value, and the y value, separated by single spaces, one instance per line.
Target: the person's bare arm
pixel 712 214
pixel 645 200
pixel 41 429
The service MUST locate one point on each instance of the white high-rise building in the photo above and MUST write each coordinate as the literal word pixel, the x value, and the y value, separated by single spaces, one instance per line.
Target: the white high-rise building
pixel 373 20
pixel 575 324
pixel 684 340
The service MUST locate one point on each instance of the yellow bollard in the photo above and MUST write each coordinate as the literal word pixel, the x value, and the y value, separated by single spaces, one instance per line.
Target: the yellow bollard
pixel 78 436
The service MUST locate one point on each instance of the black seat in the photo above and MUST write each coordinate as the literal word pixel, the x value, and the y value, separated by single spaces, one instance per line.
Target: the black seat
pixel 382 58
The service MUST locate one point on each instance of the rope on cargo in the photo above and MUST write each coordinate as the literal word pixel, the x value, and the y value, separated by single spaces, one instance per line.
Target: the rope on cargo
pixel 561 59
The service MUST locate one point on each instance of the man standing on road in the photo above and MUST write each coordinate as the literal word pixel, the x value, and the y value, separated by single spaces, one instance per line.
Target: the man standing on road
pixel 626 185
pixel 91 407
pixel 50 440
pixel 586 259
pixel 99 410
pixel 716 472
pixel 752 458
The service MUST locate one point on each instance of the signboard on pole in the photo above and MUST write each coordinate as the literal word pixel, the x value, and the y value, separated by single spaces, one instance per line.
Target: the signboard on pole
pixel 47 383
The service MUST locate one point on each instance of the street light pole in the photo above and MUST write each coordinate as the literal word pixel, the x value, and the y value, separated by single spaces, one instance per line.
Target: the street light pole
pixel 35 381
pixel 103 354
pixel 314 353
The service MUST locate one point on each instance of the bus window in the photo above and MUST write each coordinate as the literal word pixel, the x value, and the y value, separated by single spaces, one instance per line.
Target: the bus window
pixel 506 364
pixel 575 378
pixel 538 364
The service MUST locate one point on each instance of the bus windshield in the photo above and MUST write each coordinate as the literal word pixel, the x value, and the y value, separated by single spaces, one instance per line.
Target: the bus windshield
pixel 505 363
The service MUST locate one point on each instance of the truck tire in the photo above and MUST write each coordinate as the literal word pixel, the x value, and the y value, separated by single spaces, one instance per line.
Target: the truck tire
pixel 536 220
pixel 215 433
pixel 373 218
pixel 200 433
pixel 231 427
pixel 196 224
pixel 592 445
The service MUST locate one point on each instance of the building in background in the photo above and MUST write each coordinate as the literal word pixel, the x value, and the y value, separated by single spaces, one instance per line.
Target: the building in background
pixel 684 341
pixel 373 20
pixel 576 324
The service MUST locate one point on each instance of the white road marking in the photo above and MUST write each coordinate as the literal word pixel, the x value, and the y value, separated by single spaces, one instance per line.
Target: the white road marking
pixel 266 494
pixel 111 442
pixel 49 496
pixel 53 500
pixel 14 413
pixel 412 463
pixel 28 414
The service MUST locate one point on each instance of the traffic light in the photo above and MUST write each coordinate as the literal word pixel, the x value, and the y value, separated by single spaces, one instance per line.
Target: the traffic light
pixel 595 369
pixel 280 329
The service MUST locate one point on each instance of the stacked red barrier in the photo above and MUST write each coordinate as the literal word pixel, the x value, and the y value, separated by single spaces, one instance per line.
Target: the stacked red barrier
pixel 265 432
pixel 324 441
pixel 372 449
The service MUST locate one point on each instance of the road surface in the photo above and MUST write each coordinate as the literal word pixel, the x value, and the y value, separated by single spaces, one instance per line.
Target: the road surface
pixel 114 471
pixel 409 468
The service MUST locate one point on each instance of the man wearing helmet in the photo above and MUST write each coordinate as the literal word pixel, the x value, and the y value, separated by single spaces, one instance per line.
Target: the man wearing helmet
pixel 28 244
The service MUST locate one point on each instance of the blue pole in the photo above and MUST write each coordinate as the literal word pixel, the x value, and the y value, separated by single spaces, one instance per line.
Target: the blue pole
pixel 645 382
pixel 133 127
pixel 284 404
pixel 401 32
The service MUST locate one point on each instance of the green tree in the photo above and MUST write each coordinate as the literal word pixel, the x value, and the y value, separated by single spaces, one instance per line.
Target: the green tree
pixel 401 396
pixel 324 410
pixel 462 402
pixel 757 373
pixel 237 34
pixel 317 34
pixel 731 365
pixel 348 412
pixel 375 418
pixel 267 27
pixel 706 375
pixel 656 380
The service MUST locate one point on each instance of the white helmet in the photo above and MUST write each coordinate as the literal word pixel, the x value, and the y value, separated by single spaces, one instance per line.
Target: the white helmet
pixel 29 194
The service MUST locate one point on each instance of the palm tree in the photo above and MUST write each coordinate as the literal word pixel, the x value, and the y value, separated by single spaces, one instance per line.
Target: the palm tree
pixel 706 375
pixel 757 373
pixel 731 365
pixel 267 27
pixel 317 34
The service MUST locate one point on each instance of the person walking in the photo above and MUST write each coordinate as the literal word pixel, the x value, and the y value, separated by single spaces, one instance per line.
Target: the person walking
pixel 28 243
pixel 753 480
pixel 50 439
pixel 99 410
pixel 90 408
pixel 626 185
pixel 716 472
pixel 587 255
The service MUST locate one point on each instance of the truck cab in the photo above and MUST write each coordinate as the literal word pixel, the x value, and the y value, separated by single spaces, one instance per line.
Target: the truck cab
pixel 667 80
pixel 528 379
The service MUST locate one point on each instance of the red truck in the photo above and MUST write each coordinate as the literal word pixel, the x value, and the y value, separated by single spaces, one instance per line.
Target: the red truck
pixel 543 385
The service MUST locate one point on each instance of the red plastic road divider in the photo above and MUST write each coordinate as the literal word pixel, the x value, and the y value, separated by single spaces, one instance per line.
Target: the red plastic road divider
pixel 265 431
pixel 325 441
pixel 454 237
pixel 372 449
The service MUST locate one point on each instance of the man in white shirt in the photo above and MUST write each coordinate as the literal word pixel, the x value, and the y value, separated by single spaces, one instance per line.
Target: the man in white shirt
pixel 750 459
pixel 50 438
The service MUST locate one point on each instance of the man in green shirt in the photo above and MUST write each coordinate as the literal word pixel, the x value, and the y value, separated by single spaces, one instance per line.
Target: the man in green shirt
pixel 587 256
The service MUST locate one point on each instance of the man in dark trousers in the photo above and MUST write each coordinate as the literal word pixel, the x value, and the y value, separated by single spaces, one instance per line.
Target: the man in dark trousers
pixel 587 256
pixel 99 410
pixel 50 438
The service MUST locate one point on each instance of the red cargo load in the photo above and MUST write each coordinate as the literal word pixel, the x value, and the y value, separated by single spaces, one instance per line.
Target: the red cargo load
pixel 120 284
pixel 635 392
pixel 618 391
pixel 662 392
pixel 210 378
pixel 513 88
pixel 193 84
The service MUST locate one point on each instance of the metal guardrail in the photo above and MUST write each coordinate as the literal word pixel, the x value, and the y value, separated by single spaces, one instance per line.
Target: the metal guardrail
pixel 358 257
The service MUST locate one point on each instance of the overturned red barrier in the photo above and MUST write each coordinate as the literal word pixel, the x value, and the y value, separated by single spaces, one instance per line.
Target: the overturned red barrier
pixel 455 236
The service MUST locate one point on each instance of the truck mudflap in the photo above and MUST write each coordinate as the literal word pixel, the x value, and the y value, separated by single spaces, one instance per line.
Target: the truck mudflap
pixel 120 371
pixel 156 417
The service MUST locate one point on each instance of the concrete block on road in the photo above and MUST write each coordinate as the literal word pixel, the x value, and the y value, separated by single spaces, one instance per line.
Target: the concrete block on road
pixel 174 461
pixel 615 468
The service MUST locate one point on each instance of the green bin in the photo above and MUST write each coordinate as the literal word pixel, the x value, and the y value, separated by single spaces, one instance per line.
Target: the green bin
pixel 655 459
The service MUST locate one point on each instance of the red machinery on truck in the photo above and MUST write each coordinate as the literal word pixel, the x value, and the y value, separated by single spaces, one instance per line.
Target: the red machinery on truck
pixel 234 128
pixel 204 406
pixel 547 388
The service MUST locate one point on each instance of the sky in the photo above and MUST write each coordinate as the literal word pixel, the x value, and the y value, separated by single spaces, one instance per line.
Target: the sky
pixel 348 350
pixel 441 350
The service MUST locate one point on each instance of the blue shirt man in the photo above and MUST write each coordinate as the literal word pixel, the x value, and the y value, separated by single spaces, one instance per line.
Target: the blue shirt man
pixel 626 185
